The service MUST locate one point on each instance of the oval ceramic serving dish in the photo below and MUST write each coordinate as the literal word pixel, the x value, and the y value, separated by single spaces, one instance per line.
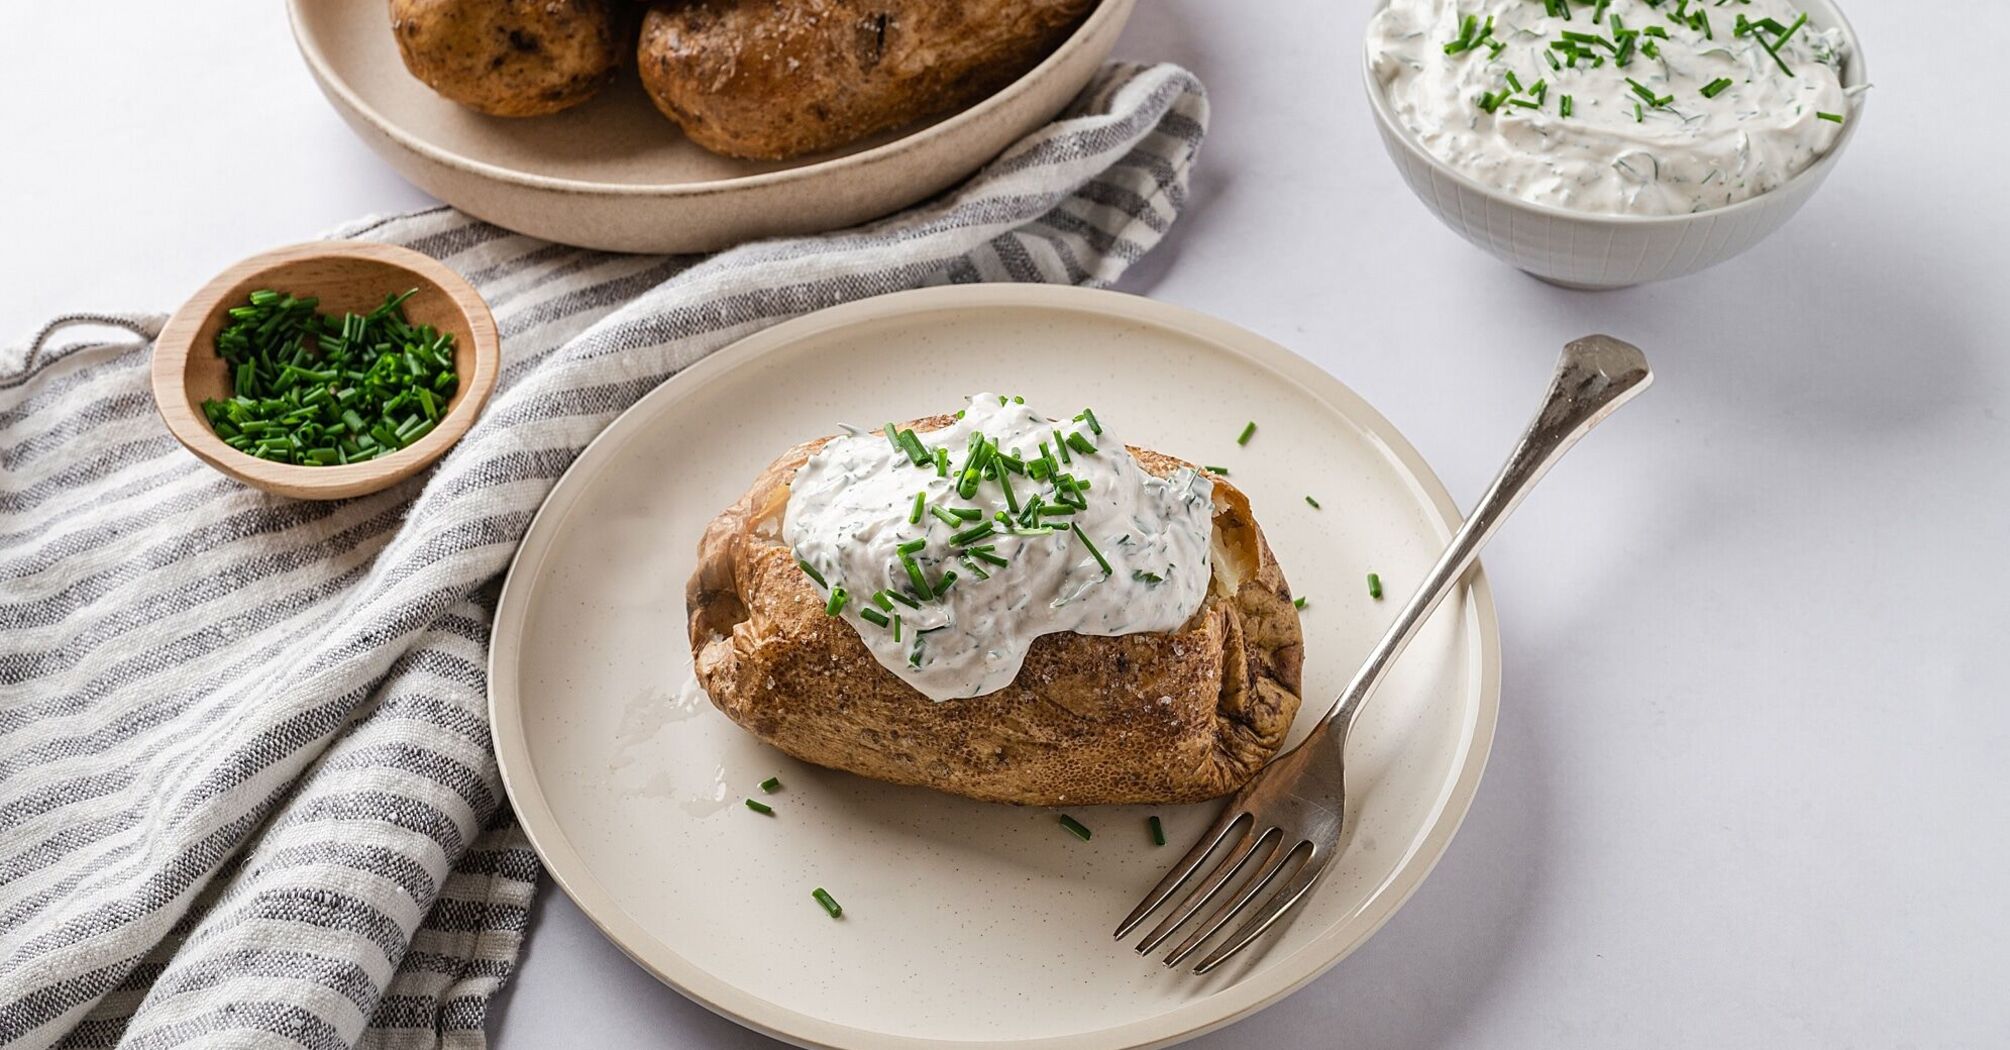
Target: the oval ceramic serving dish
pixel 614 174
pixel 963 921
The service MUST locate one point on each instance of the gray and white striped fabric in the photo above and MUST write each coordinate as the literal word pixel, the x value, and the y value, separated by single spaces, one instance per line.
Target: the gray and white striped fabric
pixel 247 795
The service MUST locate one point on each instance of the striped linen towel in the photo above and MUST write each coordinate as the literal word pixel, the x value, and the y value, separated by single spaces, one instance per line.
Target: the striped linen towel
pixel 247 794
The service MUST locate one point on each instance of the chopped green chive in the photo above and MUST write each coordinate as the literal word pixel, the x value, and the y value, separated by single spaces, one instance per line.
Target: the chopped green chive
pixel 1375 586
pixel 1080 443
pixel 985 554
pixel 946 517
pixel 1298 602
pixel 1716 87
pixel 829 902
pixel 942 586
pixel 1833 118
pixel 761 807
pixel 771 784
pixel 941 462
pixel 1565 106
pixel 877 618
pixel 1313 503
pixel 1158 830
pixel 914 576
pixel 896 627
pixel 837 601
pixel 1098 555
pixel 914 516
pixel 1248 431
pixel 902 599
pixel 973 534
pixel 1223 471
pixel 1075 827
pixel 1089 417
pixel 811 571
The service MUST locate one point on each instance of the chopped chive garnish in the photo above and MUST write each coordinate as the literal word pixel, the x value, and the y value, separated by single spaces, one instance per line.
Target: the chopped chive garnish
pixel 314 390
pixel 811 571
pixel 829 902
pixel 942 586
pixel 914 575
pixel 877 618
pixel 1080 443
pixel 966 513
pixel 1158 830
pixel 1716 87
pixel 1565 105
pixel 1089 417
pixel 941 462
pixel 771 785
pixel 1093 552
pixel 760 807
pixel 880 599
pixel 1223 471
pixel 946 517
pixel 985 554
pixel 837 601
pixel 1060 446
pixel 1313 503
pixel 1375 586
pixel 901 598
pixel 1298 603
pixel 1248 431
pixel 1833 118
pixel 896 627
pixel 914 516
pixel 973 534
pixel 1075 827
pixel 912 546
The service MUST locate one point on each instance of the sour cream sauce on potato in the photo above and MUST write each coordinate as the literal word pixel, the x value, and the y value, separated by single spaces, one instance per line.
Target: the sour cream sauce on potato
pixel 1615 107
pixel 971 574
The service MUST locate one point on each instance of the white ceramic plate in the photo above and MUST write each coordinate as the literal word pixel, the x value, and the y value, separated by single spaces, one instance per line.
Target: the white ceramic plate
pixel 962 921
pixel 615 174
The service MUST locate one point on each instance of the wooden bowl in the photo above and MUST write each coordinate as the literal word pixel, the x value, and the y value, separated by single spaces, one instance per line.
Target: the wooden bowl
pixel 348 277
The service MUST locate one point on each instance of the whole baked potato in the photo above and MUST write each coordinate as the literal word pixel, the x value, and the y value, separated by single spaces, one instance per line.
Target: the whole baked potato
pixel 772 79
pixel 1164 717
pixel 512 58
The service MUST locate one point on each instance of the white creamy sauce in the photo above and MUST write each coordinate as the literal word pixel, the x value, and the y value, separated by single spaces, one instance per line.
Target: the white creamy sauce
pixel 1683 150
pixel 848 517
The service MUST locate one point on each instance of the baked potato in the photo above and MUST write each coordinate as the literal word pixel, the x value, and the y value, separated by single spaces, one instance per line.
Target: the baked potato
pixel 513 58
pixel 773 79
pixel 1165 717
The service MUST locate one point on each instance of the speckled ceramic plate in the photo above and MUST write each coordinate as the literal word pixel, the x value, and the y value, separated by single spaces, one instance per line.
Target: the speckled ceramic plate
pixel 962 921
pixel 614 174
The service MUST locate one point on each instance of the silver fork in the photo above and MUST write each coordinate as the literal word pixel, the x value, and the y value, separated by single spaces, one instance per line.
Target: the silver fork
pixel 1292 811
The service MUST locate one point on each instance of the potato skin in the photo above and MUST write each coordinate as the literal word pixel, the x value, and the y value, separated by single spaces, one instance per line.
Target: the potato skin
pixel 512 58
pixel 773 79
pixel 1169 717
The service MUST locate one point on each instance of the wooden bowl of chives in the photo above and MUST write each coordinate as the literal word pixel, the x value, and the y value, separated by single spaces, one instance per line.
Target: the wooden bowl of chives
pixel 348 277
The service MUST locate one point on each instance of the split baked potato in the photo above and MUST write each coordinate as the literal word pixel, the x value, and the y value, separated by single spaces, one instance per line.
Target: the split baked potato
pixel 1167 717
pixel 772 79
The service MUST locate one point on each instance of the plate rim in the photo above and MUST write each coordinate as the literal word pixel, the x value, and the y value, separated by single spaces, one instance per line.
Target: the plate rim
pixel 323 71
pixel 1233 1002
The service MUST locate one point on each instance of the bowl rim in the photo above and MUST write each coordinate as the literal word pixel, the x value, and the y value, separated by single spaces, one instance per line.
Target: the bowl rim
pixel 168 373
pixel 1098 21
pixel 1855 73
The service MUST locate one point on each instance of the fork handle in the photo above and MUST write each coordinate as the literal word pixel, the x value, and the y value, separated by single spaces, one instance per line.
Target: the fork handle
pixel 1594 376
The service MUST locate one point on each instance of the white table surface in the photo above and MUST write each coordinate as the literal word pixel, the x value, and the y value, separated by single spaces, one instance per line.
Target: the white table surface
pixel 1750 783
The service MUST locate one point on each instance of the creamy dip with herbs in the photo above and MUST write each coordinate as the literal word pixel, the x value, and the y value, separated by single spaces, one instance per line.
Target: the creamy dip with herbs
pixel 1637 107
pixel 950 551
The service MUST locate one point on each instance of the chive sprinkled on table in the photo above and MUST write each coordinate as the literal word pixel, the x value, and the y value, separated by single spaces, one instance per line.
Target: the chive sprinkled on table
pixel 309 389
pixel 760 807
pixel 1075 827
pixel 1157 829
pixel 1248 431
pixel 1313 503
pixel 771 785
pixel 830 904
pixel 1375 586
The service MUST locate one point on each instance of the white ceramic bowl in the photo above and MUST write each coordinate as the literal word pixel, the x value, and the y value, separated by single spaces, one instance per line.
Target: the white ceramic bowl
pixel 1580 250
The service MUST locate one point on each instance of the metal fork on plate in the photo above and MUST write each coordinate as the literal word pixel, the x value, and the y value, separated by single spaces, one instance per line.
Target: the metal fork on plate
pixel 1285 824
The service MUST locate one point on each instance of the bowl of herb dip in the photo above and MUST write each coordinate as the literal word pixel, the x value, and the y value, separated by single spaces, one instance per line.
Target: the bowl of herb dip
pixel 1607 143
